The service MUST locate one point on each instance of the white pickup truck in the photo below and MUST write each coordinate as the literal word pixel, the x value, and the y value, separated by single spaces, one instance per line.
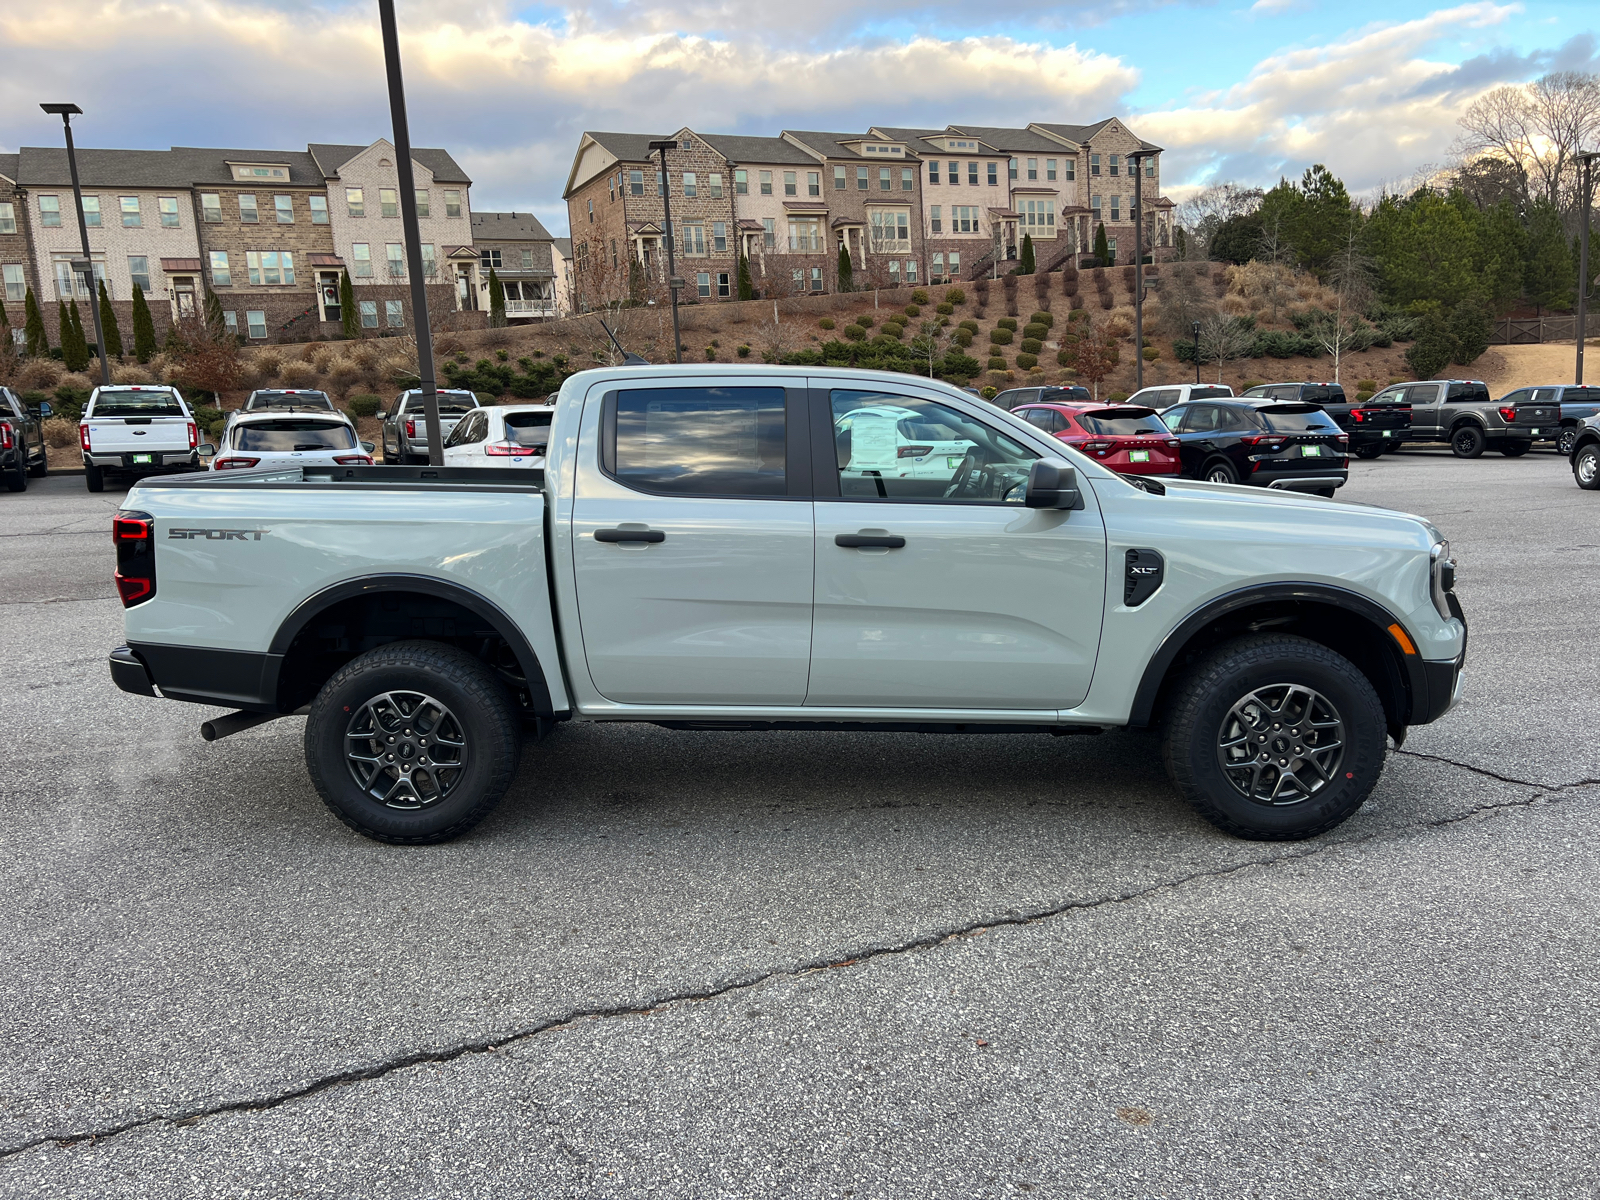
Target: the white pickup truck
pixel 732 548
pixel 135 431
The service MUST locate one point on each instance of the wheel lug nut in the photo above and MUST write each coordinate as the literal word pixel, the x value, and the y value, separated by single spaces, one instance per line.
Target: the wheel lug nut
pixel 1283 762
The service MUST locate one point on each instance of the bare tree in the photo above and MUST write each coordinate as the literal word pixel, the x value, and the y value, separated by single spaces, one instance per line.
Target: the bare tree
pixel 932 342
pixel 1537 128
pixel 1186 297
pixel 1224 340
pixel 1273 251
pixel 773 338
pixel 1350 275
pixel 1208 208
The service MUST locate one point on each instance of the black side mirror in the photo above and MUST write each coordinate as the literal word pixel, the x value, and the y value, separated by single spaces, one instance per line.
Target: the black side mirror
pixel 1052 483
pixel 44 409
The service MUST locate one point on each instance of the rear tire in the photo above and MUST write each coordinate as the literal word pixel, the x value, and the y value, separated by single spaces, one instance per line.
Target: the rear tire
pixel 17 477
pixel 1467 441
pixel 95 478
pixel 1221 471
pixel 1370 450
pixel 1295 694
pixel 1586 467
pixel 1515 449
pixel 412 743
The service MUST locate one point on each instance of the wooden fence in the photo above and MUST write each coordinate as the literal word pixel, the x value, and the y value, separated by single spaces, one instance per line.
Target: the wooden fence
pixel 1531 332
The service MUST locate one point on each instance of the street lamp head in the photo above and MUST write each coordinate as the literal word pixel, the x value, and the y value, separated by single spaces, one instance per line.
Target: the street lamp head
pixel 665 144
pixel 62 110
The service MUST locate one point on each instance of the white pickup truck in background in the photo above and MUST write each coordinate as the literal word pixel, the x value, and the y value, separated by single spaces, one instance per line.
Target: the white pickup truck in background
pixel 135 431
pixel 728 547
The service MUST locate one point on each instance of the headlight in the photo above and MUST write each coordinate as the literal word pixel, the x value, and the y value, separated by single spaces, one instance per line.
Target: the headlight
pixel 1442 569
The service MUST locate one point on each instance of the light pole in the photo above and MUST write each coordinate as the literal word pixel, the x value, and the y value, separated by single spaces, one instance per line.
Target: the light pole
pixel 66 113
pixel 1587 159
pixel 1196 328
pixel 1137 159
pixel 412 232
pixel 673 282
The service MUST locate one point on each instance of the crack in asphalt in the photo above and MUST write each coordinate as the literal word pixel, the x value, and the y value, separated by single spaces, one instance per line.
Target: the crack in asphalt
pixel 928 941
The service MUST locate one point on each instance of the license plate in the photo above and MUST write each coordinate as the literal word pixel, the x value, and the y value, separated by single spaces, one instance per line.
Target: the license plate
pixel 950 464
pixel 1388 433
pixel 1536 431
pixel 1138 456
pixel 141 458
pixel 1310 451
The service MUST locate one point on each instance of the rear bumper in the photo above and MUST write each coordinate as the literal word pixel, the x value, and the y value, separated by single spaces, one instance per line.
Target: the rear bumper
pixel 130 674
pixel 160 460
pixel 1376 437
pixel 1299 481
pixel 226 678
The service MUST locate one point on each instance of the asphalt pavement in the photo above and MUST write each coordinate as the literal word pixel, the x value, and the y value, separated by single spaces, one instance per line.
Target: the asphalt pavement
pixel 787 964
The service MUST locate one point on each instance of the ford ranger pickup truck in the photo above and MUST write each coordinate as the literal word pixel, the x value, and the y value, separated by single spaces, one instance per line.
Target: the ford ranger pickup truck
pixel 730 548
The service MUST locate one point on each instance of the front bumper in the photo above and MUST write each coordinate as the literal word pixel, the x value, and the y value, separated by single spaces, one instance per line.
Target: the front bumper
pixel 1438 688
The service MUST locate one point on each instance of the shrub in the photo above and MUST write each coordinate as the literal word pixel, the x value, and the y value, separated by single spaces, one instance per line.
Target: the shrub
pixel 1118 327
pixel 1031 345
pixel 1064 358
pixel 1034 330
pixel 296 373
pixel 955 296
pixel 913 310
pixel 892 329
pixel 744 351
pixel 60 432
pixel 1367 385
pixel 945 309
pixel 865 320
pixel 960 366
pixel 363 404
pixel 1007 323
pixel 1027 361
pixel 1250 383
pixel 711 354
pixel 854 333
pixel 1042 318
pixel 1363 397
pixel 1151 354
pixel 963 336
pixel 486 399
pixel 1078 314
pixel 919 297
pixel 1117 397
pixel 970 326
pixel 1106 302
pixel 1000 336
pixel 989 393
pixel 996 363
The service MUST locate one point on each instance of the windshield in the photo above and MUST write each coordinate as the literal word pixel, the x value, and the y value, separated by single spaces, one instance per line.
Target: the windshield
pixel 1122 422
pixel 289 400
pixel 1062 395
pixel 449 402
pixel 286 436
pixel 1298 418
pixel 137 404
pixel 1205 393
pixel 528 429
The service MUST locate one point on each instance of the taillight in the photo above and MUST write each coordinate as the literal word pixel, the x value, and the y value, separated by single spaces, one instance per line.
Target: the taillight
pixel 6 441
pixel 411 429
pixel 235 464
pixel 1358 414
pixel 353 460
pixel 83 435
pixel 1342 439
pixel 134 535
pixel 1266 443
pixel 194 435
pixel 1097 447
pixel 1508 414
pixel 1172 443
pixel 914 451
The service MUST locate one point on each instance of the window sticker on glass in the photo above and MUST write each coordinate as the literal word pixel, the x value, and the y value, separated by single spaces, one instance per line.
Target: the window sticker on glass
pixel 892 447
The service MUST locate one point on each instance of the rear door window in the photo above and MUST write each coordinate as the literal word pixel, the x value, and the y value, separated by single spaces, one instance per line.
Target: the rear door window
pixel 697 441
pixel 1201 418
pixel 1297 418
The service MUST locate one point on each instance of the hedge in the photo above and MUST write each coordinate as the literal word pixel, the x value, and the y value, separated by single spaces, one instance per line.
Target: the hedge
pixel 1000 336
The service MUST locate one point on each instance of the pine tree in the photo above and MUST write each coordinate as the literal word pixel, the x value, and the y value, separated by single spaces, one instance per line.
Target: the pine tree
pixel 497 301
pixel 216 323
pixel 5 317
pixel 747 290
pixel 846 272
pixel 1102 248
pixel 80 344
pixel 108 323
pixel 1548 276
pixel 1026 263
pixel 349 321
pixel 35 341
pixel 69 351
pixel 144 327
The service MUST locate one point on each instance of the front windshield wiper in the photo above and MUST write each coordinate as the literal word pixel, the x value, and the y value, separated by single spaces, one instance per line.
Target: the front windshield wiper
pixel 1146 484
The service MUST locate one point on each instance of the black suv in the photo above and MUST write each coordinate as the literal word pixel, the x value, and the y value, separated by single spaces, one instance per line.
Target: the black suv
pixel 1064 394
pixel 1373 427
pixel 1270 443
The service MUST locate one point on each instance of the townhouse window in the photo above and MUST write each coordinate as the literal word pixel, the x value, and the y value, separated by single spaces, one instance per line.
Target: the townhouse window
pixel 131 217
pixel 69 284
pixel 319 210
pixel 813 183
pixel 255 322
pixel 1049 169
pixel 954 263
pixel 686 144
pixel 1038 215
pixel 861 179
pixel 369 316
pixel 361 257
pixel 937 271
pixel 838 179
pixel 591 212
pixel 230 322
pixel 661 184
pixel 766 183
pixel 527 259
pixel 355 202
pixel 689 188
pixel 933 171
pixel 964 218
pixel 972 174
pixel 714 182
pixel 50 211
pixel 894 272
pixel 741 182
pixel 388 202
pixel 805 234
pixel 908 178
pixel 1114 160
pixel 1116 208
pixel 282 206
pixel 636 183
pixel 139 271
pixel 1094 208
pixel 1111 245
pixel 396 256
pixel 268 267
pixel 1150 168
pixel 452 202
pixel 789 188
pixel 1094 164
pixel 911 270
pixel 769 233
pixel 422 202
pixel 723 288
pixel 490 258
pixel 719 236
pixel 91 212
pixel 220 275
pixel 1033 168
pixel 8 217
pixel 702 285
pixel 613 252
pixel 889 229
pixel 430 266
pixel 211 208
pixel 1071 166
pixel 693 236
pixel 885 179
pixel 16 281
pixel 611 188
pixel 816 279
pixel 934 224
pixel 394 313
pixel 798 275
pixel 994 175
pixel 248 213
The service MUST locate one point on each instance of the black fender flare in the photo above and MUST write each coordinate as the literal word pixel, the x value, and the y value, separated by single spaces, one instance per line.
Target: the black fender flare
pixel 1156 670
pixel 1466 419
pixel 497 618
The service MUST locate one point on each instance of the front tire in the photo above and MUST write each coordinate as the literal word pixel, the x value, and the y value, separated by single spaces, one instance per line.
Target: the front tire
pixel 412 743
pixel 1515 449
pixel 1467 441
pixel 1274 738
pixel 1586 467
pixel 1370 450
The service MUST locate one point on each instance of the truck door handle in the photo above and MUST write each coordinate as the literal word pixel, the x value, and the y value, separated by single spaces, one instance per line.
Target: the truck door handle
pixel 888 541
pixel 629 535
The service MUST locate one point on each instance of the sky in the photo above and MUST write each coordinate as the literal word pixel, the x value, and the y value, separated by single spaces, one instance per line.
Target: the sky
pixel 1244 92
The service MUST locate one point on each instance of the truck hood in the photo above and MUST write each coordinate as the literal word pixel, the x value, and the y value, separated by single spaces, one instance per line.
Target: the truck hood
pixel 1245 499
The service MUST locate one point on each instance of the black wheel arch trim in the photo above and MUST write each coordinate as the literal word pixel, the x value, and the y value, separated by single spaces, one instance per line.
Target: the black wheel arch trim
pixel 349 589
pixel 1160 664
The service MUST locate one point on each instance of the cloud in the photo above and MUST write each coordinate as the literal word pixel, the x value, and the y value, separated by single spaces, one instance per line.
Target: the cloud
pixel 1271 8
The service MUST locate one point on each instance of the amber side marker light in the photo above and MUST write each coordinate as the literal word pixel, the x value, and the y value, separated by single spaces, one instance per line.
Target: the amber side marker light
pixel 1399 635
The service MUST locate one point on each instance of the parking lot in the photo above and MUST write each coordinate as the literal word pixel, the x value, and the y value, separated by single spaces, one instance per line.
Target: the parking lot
pixel 810 965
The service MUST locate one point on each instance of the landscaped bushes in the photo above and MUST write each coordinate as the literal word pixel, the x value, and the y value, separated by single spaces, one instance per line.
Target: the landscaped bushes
pixel 1027 361
pixel 1007 323
pixel 1000 336
pixel 955 296
pixel 1042 318
pixel 996 363
pixel 1031 345
pixel 855 333
pixel 363 404
pixel 1034 330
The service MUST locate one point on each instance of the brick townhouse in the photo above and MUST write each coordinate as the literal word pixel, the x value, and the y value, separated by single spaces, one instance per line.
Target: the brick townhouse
pixel 269 232
pixel 521 252
pixel 907 204
pixel 16 252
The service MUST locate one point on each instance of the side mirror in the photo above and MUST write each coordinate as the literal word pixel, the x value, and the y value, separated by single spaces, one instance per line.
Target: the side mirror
pixel 208 450
pixel 1052 483
pixel 369 447
pixel 44 409
pixel 380 415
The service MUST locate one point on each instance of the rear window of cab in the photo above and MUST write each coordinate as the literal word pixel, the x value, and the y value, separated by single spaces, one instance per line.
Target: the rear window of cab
pixel 150 402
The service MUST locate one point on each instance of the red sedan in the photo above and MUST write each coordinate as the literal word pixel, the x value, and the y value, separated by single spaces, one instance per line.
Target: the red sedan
pixel 1126 437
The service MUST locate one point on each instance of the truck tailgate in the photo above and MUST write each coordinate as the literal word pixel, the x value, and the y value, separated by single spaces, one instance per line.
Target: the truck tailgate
pixel 128 435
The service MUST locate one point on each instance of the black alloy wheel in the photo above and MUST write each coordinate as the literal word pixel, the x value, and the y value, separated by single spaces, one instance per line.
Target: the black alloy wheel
pixel 1567 440
pixel 1467 441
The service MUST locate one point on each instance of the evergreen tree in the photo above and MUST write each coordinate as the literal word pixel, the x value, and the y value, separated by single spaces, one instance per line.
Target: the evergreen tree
pixel 216 323
pixel 847 281
pixel 1470 327
pixel 144 327
pixel 5 317
pixel 747 290
pixel 35 341
pixel 1548 277
pixel 1432 348
pixel 108 323
pixel 1505 246
pixel 1102 248
pixel 80 344
pixel 1026 262
pixel 497 301
pixel 69 349
pixel 349 320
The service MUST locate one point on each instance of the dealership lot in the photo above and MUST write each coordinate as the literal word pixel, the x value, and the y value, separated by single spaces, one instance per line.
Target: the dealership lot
pixel 799 964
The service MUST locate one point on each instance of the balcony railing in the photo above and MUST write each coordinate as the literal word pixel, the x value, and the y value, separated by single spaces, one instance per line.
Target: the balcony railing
pixel 530 308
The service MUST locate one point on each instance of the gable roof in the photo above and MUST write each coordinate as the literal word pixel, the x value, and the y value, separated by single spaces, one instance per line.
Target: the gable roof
pixel 736 148
pixel 8 166
pixel 1082 133
pixel 626 147
pixel 508 226
pixel 47 166
pixel 204 165
pixel 1002 138
pixel 330 156
pixel 830 145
